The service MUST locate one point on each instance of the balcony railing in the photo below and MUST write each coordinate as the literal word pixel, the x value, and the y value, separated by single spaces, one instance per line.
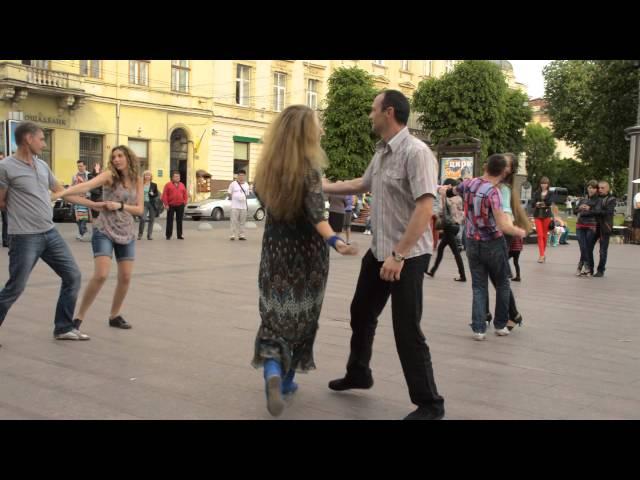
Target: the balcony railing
pixel 47 78
pixel 29 76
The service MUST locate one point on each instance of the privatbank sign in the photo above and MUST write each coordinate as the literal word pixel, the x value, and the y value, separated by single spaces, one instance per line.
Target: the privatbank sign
pixel 39 118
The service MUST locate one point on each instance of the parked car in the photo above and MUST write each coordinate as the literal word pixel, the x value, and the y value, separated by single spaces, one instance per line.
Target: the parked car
pixel 218 207
pixel 63 210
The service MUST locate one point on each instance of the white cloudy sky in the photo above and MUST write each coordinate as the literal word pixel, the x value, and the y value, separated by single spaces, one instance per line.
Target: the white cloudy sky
pixel 529 72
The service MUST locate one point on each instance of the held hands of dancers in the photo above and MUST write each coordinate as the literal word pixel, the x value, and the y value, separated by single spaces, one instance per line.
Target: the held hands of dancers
pixel 113 205
pixel 341 246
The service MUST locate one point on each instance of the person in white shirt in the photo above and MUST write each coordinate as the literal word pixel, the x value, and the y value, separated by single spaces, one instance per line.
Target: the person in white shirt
pixel 239 192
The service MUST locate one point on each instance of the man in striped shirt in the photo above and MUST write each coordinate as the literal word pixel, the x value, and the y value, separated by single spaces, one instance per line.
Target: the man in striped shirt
pixel 402 177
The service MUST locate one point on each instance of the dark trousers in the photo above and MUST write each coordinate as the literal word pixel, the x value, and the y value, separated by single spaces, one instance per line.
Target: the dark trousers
pixel 406 294
pixel 515 254
pixel 604 250
pixel 5 234
pixel 179 213
pixel 587 241
pixel 449 238
pixel 513 309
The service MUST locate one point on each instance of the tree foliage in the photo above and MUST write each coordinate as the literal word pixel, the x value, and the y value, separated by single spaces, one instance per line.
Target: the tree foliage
pixel 474 100
pixel 348 139
pixel 591 103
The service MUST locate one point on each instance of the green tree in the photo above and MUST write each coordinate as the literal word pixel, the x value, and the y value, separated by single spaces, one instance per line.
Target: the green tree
pixel 539 146
pixel 348 139
pixel 509 134
pixel 571 174
pixel 590 104
pixel 474 100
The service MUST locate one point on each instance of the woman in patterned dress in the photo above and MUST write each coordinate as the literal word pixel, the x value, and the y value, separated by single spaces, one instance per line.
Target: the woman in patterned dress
pixel 295 258
pixel 114 229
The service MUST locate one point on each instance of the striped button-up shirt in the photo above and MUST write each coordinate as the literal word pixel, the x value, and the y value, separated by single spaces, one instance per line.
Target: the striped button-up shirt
pixel 401 171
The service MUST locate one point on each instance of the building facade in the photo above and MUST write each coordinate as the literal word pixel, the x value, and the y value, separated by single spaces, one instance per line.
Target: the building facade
pixel 540 116
pixel 194 116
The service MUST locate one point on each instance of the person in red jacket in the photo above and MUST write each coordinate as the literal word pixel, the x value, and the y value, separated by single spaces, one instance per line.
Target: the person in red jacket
pixel 174 197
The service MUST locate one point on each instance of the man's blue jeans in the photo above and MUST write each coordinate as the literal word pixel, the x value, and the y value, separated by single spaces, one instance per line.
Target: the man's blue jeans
pixel 485 258
pixel 24 252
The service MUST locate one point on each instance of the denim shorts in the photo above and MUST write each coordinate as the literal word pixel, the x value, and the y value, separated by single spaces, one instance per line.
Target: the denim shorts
pixel 103 246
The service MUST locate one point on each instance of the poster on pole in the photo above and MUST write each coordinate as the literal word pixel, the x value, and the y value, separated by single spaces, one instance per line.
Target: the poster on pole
pixel 456 167
pixel 11 134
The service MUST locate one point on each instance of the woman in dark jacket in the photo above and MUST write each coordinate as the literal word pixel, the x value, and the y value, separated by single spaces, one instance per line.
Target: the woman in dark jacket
pixel 150 209
pixel 586 228
pixel 542 215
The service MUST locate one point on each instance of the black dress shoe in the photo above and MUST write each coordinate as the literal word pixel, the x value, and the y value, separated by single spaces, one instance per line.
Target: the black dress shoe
pixel 423 413
pixel 347 383
pixel 599 274
pixel 180 238
pixel 119 322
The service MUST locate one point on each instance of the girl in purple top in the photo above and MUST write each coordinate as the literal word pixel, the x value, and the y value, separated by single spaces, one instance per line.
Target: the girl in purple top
pixel 114 230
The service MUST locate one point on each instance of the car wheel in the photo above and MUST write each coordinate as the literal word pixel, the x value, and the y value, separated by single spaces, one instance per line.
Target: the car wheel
pixel 195 218
pixel 259 215
pixel 217 214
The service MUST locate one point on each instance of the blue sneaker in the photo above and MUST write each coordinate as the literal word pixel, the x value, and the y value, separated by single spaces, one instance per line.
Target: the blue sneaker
pixel 273 387
pixel 288 385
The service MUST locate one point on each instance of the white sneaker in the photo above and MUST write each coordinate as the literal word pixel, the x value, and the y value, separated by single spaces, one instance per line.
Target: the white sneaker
pixel 503 332
pixel 78 236
pixel 70 335
pixel 232 237
pixel 86 237
pixel 81 336
pixel 479 336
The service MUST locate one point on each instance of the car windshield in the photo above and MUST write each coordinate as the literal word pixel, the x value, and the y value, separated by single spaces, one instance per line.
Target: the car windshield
pixel 220 195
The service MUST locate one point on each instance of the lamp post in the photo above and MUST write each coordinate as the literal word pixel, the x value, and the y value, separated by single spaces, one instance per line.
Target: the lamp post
pixel 633 134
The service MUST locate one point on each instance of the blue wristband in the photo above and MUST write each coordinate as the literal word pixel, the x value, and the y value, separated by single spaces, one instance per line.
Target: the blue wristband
pixel 332 241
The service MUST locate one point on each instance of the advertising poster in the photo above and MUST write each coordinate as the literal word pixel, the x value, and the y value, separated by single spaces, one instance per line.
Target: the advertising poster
pixel 456 167
pixel 11 130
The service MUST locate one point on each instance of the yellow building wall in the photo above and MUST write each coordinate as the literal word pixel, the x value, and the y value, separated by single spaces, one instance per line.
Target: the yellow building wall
pixel 208 112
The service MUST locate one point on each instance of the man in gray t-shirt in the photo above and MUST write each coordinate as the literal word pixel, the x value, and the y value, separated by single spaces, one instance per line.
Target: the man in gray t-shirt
pixel 25 182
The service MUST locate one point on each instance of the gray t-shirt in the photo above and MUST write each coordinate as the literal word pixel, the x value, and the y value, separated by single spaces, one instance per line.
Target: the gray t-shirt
pixel 29 209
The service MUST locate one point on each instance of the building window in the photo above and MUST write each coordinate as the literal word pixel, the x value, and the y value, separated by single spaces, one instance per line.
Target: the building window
pixel 312 93
pixel 243 84
pixel 90 68
pixel 180 75
pixel 141 149
pixel 379 62
pixel 240 157
pixel 44 64
pixel 449 64
pixel 279 90
pixel 46 151
pixel 404 65
pixel 427 67
pixel 91 149
pixel 139 72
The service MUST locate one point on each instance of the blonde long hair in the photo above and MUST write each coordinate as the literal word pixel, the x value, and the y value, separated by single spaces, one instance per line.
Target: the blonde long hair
pixel 133 165
pixel 291 149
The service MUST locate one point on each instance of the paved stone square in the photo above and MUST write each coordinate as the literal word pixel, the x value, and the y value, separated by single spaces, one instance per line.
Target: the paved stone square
pixel 193 307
